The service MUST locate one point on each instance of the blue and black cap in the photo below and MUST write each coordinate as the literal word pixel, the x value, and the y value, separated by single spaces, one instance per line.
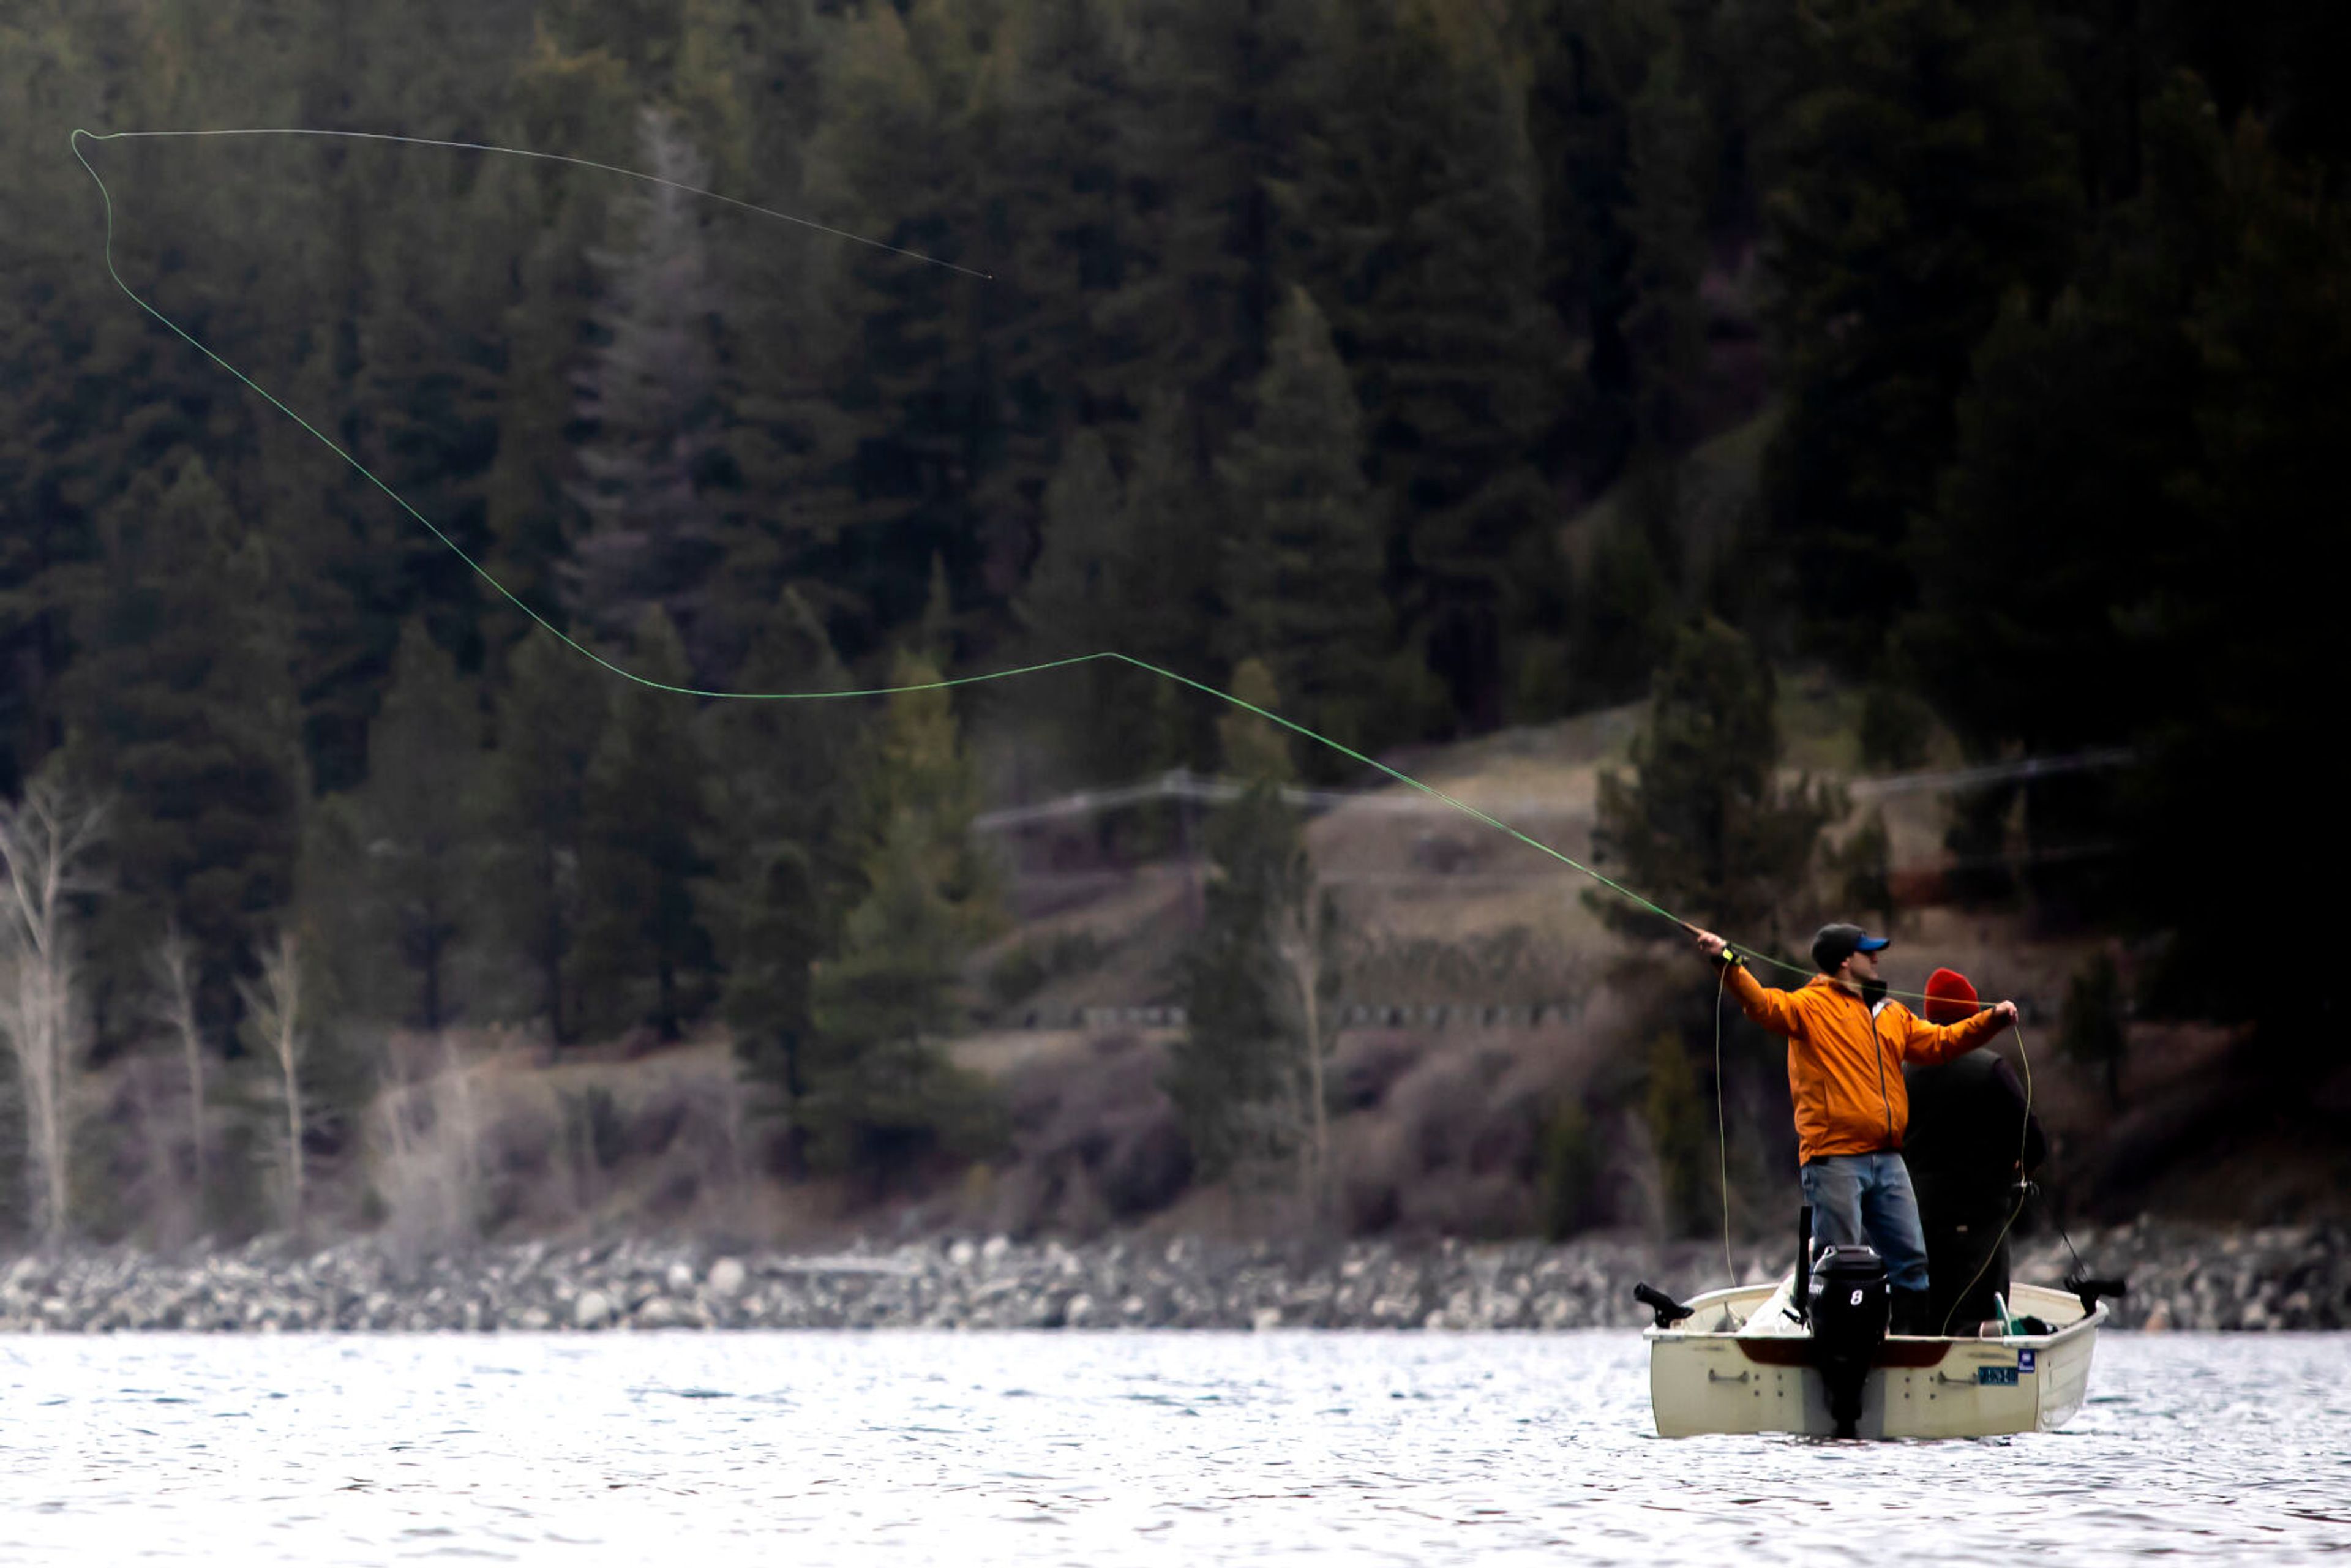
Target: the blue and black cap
pixel 1835 942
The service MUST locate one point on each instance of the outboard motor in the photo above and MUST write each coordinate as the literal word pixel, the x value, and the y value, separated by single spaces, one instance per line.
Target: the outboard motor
pixel 1848 1305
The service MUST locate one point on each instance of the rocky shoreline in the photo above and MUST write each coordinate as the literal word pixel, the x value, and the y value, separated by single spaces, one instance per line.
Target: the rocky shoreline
pixel 2273 1279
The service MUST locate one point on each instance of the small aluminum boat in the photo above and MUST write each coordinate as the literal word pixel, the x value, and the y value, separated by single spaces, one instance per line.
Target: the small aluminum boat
pixel 1740 1361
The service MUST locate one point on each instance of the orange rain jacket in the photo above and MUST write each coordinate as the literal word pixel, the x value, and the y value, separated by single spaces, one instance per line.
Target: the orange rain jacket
pixel 1845 1067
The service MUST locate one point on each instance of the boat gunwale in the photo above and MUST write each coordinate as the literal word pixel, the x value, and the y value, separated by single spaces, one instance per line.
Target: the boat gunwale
pixel 1898 1351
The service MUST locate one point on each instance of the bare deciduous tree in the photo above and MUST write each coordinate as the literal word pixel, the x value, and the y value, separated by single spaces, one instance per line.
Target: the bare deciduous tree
pixel 1304 936
pixel 44 841
pixel 274 1015
pixel 175 1010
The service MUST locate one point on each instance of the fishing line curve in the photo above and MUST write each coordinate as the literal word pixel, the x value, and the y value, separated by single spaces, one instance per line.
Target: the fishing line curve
pixel 74 141
pixel 523 153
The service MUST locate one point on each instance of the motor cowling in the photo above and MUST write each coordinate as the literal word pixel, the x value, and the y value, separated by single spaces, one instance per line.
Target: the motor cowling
pixel 1849 1306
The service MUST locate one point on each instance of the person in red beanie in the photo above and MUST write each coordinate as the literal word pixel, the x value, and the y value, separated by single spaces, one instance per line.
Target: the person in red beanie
pixel 1847 1047
pixel 1972 1139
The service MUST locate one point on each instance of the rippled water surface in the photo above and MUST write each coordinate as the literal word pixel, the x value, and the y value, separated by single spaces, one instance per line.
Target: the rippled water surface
pixel 1176 1448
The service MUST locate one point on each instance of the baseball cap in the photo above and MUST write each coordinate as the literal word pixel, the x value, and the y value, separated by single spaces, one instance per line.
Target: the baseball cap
pixel 1834 943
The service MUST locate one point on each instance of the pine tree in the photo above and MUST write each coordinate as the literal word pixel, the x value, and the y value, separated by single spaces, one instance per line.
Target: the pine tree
pixel 1583 60
pixel 183 706
pixel 1122 569
pixel 882 1097
pixel 570 94
pixel 918 768
pixel 1046 120
pixel 1259 975
pixel 1067 608
pixel 1424 187
pixel 650 393
pixel 1668 171
pixel 59 439
pixel 2076 437
pixel 787 870
pixel 922 425
pixel 1302 554
pixel 1704 827
pixel 644 951
pixel 418 822
pixel 1929 177
pixel 1623 619
pixel 1221 95
pixel 551 718
pixel 1164 591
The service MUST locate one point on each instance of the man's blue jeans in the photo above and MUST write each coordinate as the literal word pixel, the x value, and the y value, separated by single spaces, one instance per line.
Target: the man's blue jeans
pixel 1867 1198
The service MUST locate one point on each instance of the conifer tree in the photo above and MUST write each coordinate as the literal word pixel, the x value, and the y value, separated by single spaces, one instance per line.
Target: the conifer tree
pixel 183 703
pixel 2075 437
pixel 1668 169
pixel 1623 615
pixel 1067 608
pixel 1046 118
pixel 1583 61
pixel 1166 594
pixel 1927 178
pixel 1302 557
pixel 649 394
pixel 1246 1075
pixel 644 951
pixel 1221 96
pixel 418 822
pixel 903 481
pixel 567 92
pixel 60 429
pixel 1704 827
pixel 917 768
pixel 551 718
pixel 1424 188
pixel 1125 569
pixel 786 864
pixel 883 1094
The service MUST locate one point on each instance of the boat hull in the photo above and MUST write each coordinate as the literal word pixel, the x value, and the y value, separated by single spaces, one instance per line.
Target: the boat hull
pixel 1748 1372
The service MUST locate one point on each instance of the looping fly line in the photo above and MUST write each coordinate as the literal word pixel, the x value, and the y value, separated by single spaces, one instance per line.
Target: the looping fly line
pixel 1397 775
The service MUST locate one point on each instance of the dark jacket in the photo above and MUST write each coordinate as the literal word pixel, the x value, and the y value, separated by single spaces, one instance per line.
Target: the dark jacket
pixel 1968 1127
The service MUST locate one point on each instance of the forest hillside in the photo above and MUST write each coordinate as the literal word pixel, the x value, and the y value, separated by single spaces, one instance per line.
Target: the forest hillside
pixel 1792 456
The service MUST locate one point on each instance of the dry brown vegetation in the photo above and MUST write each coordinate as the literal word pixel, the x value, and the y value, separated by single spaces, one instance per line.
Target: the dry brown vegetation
pixel 1450 1127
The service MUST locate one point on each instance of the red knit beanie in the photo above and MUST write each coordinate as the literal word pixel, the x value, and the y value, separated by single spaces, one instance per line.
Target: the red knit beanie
pixel 1949 998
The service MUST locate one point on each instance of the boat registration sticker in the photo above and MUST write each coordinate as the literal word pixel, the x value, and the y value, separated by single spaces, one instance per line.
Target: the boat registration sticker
pixel 2002 1376
pixel 2025 1361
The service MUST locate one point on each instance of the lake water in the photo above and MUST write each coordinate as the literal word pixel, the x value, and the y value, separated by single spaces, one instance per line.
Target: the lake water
pixel 1107 1449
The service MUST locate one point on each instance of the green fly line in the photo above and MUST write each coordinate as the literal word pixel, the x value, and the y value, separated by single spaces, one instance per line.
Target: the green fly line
pixel 1400 777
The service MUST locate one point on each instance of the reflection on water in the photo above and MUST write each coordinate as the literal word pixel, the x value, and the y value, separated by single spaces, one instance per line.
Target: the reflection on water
pixel 1106 1450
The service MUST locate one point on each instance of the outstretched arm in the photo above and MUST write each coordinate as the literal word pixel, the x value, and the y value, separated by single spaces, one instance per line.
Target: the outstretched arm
pixel 1929 1042
pixel 1774 1009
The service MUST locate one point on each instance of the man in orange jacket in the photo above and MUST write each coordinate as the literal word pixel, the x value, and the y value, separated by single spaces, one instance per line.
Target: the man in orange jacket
pixel 1844 1073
